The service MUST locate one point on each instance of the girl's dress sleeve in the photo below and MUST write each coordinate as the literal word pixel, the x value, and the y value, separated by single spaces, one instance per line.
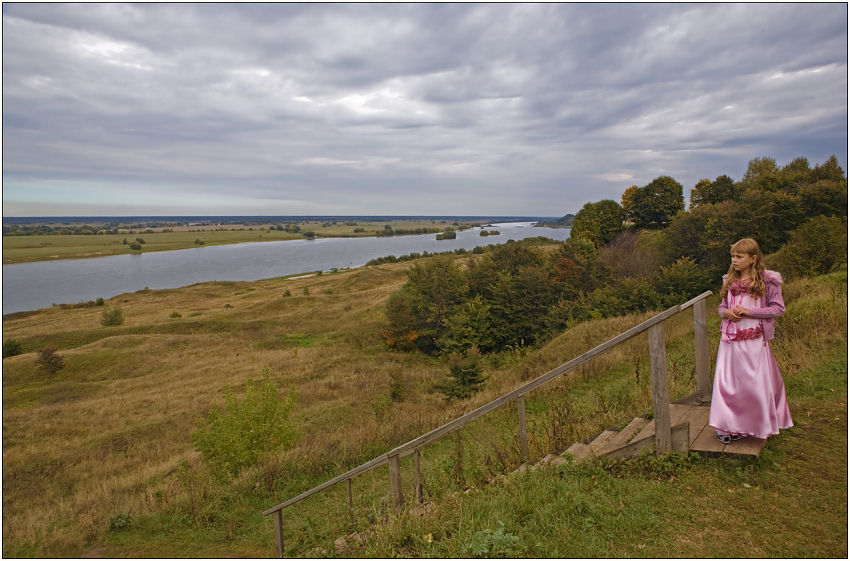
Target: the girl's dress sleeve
pixel 774 304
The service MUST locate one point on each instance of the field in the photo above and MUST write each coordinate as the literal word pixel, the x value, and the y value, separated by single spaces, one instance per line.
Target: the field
pixel 24 249
pixel 98 459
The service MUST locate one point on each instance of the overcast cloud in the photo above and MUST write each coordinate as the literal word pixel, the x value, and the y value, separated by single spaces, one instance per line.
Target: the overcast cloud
pixel 469 109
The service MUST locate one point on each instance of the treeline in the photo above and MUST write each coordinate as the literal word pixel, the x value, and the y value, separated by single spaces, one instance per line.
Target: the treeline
pixel 645 253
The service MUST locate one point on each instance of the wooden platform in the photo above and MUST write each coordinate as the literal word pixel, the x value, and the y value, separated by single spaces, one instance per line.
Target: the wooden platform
pixel 692 410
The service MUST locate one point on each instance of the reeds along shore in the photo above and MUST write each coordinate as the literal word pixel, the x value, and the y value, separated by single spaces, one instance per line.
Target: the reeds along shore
pixel 100 454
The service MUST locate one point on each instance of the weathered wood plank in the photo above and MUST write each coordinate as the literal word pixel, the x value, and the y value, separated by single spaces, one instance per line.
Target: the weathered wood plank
pixel 660 393
pixel 419 497
pixel 678 434
pixel 696 417
pixel 749 446
pixel 701 347
pixel 278 530
pixel 396 490
pixel 523 436
pixel 707 441
pixel 600 441
pixel 622 438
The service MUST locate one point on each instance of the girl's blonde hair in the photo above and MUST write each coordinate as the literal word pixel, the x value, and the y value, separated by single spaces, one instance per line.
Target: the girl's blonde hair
pixel 749 247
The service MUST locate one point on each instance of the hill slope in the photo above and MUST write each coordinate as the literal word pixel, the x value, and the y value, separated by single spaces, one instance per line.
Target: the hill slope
pixel 101 454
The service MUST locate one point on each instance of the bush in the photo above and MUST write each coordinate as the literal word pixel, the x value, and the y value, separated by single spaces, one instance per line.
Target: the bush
pixel 136 245
pixel 112 317
pixel 815 248
pixel 49 361
pixel 243 432
pixel 465 374
pixel 11 348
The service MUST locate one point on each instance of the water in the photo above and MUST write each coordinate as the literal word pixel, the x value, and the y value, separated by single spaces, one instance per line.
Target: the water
pixel 30 286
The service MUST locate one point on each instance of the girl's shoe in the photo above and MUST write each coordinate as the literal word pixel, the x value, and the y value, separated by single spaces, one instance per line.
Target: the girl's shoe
pixel 735 437
pixel 724 438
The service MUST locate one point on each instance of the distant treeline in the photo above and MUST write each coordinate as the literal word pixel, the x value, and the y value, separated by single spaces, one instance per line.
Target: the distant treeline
pixel 644 253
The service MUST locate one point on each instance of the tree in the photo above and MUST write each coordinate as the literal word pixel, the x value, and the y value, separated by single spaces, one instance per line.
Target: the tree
pixel 762 173
pixel 654 205
pixel 711 192
pixel 599 222
pixel 465 374
pixel 49 361
pixel 628 201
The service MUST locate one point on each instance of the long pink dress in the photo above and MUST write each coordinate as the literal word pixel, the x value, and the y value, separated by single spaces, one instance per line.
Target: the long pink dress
pixel 749 395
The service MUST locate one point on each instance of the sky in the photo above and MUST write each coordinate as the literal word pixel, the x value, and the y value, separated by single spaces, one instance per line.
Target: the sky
pixel 405 109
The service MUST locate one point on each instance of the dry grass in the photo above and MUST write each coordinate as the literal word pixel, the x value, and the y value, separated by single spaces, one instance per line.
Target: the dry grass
pixel 110 434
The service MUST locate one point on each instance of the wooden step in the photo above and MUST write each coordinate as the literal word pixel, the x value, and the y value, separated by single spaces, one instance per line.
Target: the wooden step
pixel 601 440
pixel 579 451
pixel 624 436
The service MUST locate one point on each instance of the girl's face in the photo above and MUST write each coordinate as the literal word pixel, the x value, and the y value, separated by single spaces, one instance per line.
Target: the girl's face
pixel 742 261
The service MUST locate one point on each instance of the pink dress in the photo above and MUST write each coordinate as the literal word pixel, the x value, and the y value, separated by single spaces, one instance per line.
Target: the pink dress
pixel 749 395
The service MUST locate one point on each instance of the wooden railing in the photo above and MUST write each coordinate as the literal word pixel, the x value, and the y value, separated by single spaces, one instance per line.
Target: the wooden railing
pixel 660 398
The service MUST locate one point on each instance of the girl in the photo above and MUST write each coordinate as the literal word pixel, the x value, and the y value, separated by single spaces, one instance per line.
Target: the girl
pixel 749 394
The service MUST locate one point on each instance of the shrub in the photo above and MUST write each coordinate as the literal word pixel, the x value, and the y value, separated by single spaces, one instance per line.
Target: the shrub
pixel 136 245
pixel 465 374
pixel 11 348
pixel 49 361
pixel 176 314
pixel 114 316
pixel 242 432
pixel 815 248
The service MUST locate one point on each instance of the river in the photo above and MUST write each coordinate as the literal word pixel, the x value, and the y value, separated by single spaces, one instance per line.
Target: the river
pixel 31 286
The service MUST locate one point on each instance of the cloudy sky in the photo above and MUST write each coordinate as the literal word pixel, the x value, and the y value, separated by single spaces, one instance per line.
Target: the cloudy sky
pixel 423 109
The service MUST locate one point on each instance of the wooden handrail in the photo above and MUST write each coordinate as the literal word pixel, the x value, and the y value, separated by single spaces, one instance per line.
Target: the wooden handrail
pixel 420 442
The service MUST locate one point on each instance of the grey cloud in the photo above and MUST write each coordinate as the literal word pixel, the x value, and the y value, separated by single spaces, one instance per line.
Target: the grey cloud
pixel 507 108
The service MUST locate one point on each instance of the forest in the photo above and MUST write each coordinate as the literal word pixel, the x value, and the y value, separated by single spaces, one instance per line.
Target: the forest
pixel 645 252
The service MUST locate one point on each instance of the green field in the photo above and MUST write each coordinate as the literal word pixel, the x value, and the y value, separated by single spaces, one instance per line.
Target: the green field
pixel 98 459
pixel 45 247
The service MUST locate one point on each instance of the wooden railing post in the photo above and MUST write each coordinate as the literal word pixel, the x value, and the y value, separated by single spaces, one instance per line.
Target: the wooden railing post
pixel 660 393
pixel 350 502
pixel 419 497
pixel 523 436
pixel 396 490
pixel 701 347
pixel 278 527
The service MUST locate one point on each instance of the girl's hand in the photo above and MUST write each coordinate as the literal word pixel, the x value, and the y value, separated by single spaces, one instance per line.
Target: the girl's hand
pixel 732 315
pixel 742 311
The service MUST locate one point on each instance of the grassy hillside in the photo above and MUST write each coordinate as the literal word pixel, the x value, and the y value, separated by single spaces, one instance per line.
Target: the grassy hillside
pixel 98 459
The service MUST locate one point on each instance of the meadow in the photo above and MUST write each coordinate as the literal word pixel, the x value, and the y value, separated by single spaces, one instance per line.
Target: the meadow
pixel 44 247
pixel 98 459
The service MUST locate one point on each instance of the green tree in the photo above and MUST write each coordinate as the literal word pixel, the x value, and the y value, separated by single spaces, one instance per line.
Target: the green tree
pixel 710 192
pixel 418 314
pixel 762 173
pixel 657 203
pixel 599 222
pixel 465 374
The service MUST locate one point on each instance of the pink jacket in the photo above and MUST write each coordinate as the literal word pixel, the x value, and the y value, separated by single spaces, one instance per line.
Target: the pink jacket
pixel 771 305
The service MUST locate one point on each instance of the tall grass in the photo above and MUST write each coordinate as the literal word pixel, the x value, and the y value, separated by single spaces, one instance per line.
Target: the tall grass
pixel 100 456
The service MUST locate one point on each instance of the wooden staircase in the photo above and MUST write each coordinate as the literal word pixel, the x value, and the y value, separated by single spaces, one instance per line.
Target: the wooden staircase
pixel 689 427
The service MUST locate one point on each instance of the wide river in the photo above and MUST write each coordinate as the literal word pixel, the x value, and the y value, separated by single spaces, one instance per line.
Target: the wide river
pixel 31 286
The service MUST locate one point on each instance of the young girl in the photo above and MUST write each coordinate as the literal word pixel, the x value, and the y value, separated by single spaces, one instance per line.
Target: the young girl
pixel 749 394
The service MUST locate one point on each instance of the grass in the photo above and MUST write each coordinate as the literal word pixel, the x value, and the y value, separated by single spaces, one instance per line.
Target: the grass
pixel 98 459
pixel 25 249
